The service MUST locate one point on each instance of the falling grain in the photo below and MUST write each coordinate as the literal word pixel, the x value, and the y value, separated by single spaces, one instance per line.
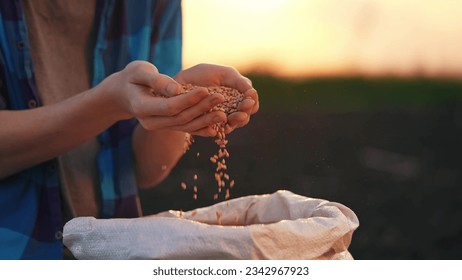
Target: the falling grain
pixel 232 98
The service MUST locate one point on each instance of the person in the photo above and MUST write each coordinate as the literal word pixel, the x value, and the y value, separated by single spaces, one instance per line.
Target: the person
pixel 80 127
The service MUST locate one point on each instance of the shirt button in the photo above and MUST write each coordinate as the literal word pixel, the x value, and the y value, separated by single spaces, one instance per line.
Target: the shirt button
pixel 32 103
pixel 20 45
pixel 59 235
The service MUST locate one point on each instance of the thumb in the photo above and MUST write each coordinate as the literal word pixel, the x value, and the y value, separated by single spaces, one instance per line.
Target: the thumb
pixel 146 74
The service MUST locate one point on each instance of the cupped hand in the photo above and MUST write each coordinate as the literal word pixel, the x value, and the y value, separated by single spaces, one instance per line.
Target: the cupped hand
pixel 218 75
pixel 140 91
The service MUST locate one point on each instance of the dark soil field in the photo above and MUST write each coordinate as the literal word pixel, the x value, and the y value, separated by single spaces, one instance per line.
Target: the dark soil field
pixel 388 148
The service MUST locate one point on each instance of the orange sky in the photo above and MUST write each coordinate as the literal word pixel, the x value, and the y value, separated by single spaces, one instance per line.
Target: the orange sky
pixel 326 37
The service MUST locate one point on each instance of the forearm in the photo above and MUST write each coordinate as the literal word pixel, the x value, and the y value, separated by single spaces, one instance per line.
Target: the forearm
pixel 29 137
pixel 156 152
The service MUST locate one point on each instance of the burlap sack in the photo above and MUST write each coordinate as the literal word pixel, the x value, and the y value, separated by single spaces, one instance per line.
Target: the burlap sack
pixel 282 225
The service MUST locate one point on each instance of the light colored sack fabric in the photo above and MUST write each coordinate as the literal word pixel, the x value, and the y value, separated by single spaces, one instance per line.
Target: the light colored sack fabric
pixel 281 225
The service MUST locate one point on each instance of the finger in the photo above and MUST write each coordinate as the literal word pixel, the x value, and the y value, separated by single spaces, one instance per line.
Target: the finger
pixel 232 78
pixel 246 105
pixel 243 84
pixel 202 122
pixel 146 74
pixel 205 132
pixel 148 105
pixel 229 129
pixel 194 114
pixel 252 93
pixel 238 119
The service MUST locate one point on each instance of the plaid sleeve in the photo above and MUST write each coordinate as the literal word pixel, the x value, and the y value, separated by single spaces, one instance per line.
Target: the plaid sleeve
pixel 166 52
pixel 137 30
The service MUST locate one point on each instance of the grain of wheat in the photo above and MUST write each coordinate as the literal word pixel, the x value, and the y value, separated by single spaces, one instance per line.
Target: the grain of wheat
pixel 219 214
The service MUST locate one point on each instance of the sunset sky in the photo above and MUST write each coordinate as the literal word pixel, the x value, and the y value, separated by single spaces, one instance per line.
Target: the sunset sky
pixel 326 37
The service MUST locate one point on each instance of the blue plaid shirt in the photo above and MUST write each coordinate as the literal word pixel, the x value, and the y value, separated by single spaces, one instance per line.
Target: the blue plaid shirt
pixel 30 206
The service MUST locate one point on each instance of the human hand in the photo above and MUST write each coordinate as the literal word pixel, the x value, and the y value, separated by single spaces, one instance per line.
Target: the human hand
pixel 132 91
pixel 217 75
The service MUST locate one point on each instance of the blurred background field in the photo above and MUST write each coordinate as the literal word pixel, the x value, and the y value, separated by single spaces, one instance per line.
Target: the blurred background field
pixel 361 103
pixel 387 148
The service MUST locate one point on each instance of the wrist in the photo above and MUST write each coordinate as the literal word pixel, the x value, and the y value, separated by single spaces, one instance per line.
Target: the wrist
pixel 111 99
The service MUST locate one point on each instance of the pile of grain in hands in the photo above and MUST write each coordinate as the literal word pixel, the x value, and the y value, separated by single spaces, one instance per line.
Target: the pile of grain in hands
pixel 232 99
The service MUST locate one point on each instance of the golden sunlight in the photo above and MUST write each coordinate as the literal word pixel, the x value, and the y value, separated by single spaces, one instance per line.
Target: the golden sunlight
pixel 326 37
